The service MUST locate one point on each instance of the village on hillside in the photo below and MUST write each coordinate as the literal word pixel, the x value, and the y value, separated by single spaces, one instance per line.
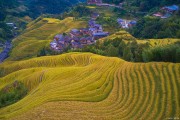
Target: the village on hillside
pixel 78 38
pixel 123 23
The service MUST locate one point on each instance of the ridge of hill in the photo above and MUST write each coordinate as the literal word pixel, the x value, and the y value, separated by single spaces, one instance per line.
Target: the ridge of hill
pixel 92 87
pixel 40 32
pixel 127 37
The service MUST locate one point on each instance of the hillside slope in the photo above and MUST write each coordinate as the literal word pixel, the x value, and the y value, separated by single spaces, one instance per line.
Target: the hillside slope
pixel 38 35
pixel 128 37
pixel 89 86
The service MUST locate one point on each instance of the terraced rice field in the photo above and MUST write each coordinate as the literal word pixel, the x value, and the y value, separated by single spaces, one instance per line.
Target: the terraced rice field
pixel 158 42
pixel 39 34
pixel 88 86
pixel 162 42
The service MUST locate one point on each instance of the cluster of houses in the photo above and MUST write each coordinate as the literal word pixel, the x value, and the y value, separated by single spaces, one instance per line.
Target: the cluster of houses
pixel 123 23
pixel 78 38
pixel 166 11
pixel 12 25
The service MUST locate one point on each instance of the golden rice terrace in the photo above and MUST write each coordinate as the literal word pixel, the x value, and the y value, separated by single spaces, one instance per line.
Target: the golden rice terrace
pixel 88 86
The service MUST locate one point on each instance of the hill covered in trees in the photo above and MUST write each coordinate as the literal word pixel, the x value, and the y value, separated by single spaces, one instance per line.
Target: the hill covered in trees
pixel 149 26
pixel 152 27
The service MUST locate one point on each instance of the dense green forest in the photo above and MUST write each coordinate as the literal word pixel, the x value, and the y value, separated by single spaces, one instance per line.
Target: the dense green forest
pixel 151 27
pixel 5 31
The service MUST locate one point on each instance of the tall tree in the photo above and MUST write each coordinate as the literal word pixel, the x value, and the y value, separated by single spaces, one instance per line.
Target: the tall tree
pixel 112 51
pixel 127 54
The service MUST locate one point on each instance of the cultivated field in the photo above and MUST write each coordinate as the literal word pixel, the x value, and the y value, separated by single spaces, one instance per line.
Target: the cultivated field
pixel 88 86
